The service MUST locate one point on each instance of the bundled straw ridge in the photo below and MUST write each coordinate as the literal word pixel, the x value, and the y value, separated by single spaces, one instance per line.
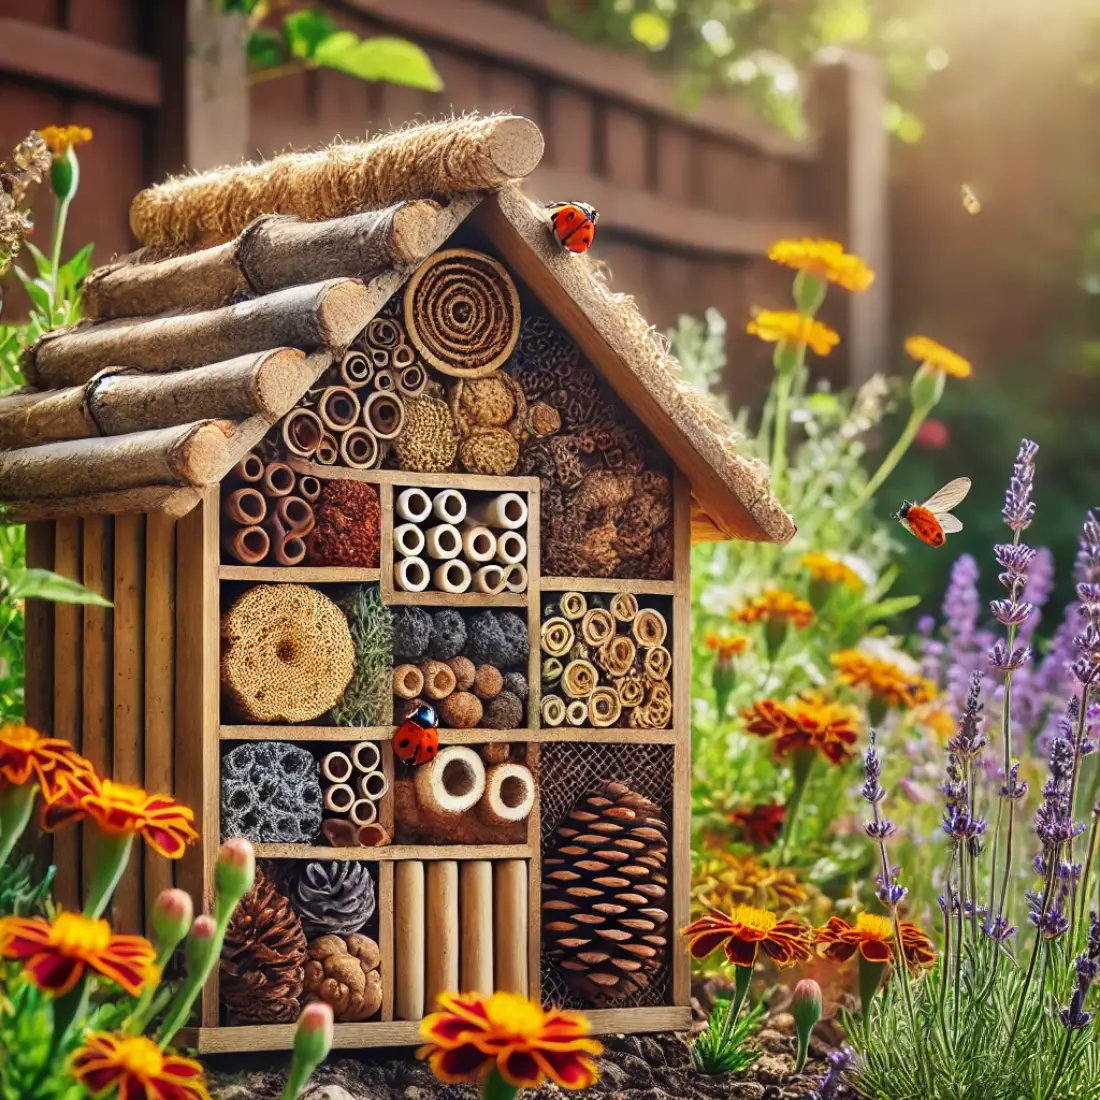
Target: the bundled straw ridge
pixel 470 153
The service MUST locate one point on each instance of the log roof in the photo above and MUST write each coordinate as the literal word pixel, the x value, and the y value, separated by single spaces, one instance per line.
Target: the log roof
pixel 200 342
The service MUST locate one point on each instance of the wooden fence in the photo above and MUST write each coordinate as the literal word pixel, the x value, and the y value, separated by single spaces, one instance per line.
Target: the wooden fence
pixel 689 200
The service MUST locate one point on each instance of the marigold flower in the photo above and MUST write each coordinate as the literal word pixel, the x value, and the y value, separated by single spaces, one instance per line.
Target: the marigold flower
pixel 938 720
pixel 524 1042
pixel 62 138
pixel 26 756
pixel 724 645
pixel 119 809
pixel 829 570
pixel 744 932
pixel 775 604
pixel 831 728
pixel 726 880
pixel 824 260
pixel 138 1068
pixel 55 955
pixel 873 937
pixel 890 682
pixel 759 825
pixel 937 357
pixel 791 327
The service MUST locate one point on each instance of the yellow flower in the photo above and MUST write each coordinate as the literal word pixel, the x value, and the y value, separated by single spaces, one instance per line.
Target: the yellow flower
pixel 895 685
pixel 937 357
pixel 824 260
pixel 775 603
pixel 726 646
pixel 62 138
pixel 831 570
pixel 726 880
pixel 791 327
pixel 938 720
pixel 807 723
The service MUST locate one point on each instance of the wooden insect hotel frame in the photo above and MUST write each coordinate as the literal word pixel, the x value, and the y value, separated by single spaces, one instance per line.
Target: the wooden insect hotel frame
pixel 352 433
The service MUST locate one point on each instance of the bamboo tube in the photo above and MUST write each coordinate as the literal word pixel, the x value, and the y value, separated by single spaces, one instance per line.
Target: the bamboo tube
pixel 249 545
pixel 384 415
pixel 363 811
pixel 413 381
pixel 339 832
pixel 373 785
pixel 408 540
pixel 290 551
pixel 515 578
pixel 511 547
pixel 319 315
pixel 245 506
pixel 193 454
pixel 366 756
pixel 295 515
pixel 339 798
pixel 302 430
pixel 309 488
pixel 509 794
pixel 452 576
pixel 508 510
pixel 250 468
pixel 385 381
pixel 479 544
pixel 356 370
pixel 409 934
pixel 338 408
pixel 336 767
pixel 411 574
pixel 475 922
pixel 489 578
pixel 441 905
pixel 359 449
pixel 453 782
pixel 449 506
pixel 443 541
pixel 374 835
pixel 510 926
pixel 413 505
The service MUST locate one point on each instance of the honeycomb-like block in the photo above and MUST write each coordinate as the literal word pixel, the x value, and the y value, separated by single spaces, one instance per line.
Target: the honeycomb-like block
pixel 271 793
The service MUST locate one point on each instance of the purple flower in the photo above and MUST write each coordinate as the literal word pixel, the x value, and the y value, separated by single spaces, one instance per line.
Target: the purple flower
pixel 999 929
pixel 970 740
pixel 840 1061
pixel 1013 787
pixel 1009 612
pixel 1087 563
pixel 1000 660
pixel 1019 509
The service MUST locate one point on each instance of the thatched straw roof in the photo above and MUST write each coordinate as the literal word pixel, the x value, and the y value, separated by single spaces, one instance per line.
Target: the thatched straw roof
pixel 252 279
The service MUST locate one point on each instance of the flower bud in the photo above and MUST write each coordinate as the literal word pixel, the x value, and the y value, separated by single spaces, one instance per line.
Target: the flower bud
pixel 809 293
pixel 172 916
pixel 202 942
pixel 64 174
pixel 235 871
pixel 926 389
pixel 312 1042
pixel 723 680
pixel 806 1010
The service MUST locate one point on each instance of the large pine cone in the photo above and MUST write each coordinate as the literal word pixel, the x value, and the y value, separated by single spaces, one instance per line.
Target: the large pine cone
pixel 263 958
pixel 336 897
pixel 604 890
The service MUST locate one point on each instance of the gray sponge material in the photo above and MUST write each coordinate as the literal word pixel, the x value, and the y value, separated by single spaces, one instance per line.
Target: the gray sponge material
pixel 271 793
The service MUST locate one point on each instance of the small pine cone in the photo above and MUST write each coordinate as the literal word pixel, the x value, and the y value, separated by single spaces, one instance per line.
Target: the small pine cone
pixel 263 958
pixel 336 897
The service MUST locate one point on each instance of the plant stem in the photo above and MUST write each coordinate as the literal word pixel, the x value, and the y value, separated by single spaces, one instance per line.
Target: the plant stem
pixel 16 806
pixel 60 219
pixel 916 418
pixel 742 976
pixel 802 762
pixel 1059 1065
pixel 779 440
pixel 494 1088
pixel 1088 864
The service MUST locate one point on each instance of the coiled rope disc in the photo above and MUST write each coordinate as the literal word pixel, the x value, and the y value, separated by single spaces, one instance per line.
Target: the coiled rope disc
pixel 462 313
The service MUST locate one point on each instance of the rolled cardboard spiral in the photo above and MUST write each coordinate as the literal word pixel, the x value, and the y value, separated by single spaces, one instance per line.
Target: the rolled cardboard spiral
pixel 551 669
pixel 479 544
pixel 452 576
pixel 511 547
pixel 359 448
pixel 604 706
pixel 579 679
pixel 624 606
pixel 336 767
pixel 250 468
pixel 380 358
pixel 515 577
pixel 462 313
pixel 553 710
pixel 366 756
pixel 576 714
pixel 249 545
pixel 411 574
pixel 296 515
pixel 413 505
pixel 328 450
pixel 449 506
pixel 339 798
pixel 631 690
pixel 573 605
pixel 509 794
pixel 338 408
pixel 508 510
pixel 384 415
pixel 408 540
pixel 373 785
pixel 616 656
pixel 247 506
pixel 649 627
pixel 557 636
pixel 383 332
pixel 658 663
pixel 278 480
pixel 402 357
pixel 363 811
pixel 443 541
pixel 356 370
pixel 408 681
pixel 413 380
pixel 453 782
pixel 385 381
pixel 489 578
pixel 597 627
pixel 290 550
pixel 439 679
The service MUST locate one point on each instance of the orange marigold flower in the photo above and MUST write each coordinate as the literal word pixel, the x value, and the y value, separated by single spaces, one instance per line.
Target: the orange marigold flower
pixel 744 931
pixel 873 937
pixel 119 809
pixel 724 879
pixel 824 260
pixel 759 825
pixel 775 603
pixel 937 356
pixel 725 645
pixel 788 326
pixel 138 1068
pixel 831 728
pixel 938 720
pixel 62 138
pixel 525 1042
pixel 55 955
pixel 890 682
pixel 830 570
pixel 26 756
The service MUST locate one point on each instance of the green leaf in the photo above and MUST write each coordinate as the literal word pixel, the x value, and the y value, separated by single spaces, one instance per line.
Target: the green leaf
pixel 79 266
pixel 40 258
pixel 887 609
pixel 265 49
pixel 304 31
pixel 39 297
pixel 246 6
pixel 42 584
pixel 386 59
pixel 650 29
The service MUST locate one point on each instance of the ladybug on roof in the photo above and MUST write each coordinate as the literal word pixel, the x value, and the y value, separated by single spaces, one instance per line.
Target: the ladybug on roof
pixel 574 224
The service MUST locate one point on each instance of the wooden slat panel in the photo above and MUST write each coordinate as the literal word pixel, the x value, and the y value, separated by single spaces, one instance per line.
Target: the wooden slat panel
pixel 461 77
pixel 111 22
pixel 625 141
pixel 569 131
pixel 129 727
pixel 385 937
pixel 98 683
pixel 160 653
pixel 38 624
pixel 675 178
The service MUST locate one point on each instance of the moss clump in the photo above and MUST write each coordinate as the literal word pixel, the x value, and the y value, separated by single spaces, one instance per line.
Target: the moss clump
pixel 368 700
pixel 448 637
pixel 412 630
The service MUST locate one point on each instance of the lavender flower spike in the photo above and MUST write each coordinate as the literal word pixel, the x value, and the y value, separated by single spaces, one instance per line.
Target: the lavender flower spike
pixel 970 741
pixel 1019 509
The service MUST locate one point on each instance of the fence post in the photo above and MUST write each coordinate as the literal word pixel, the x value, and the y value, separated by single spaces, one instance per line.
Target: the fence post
pixel 845 108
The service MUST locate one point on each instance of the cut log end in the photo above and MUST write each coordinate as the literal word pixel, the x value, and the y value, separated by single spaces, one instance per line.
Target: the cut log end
pixel 279 381
pixel 343 312
pixel 414 231
pixel 202 457
pixel 515 147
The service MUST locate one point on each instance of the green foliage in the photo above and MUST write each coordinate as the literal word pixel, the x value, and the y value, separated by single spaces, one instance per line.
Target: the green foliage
pixel 714 1052
pixel 22 891
pixel 281 42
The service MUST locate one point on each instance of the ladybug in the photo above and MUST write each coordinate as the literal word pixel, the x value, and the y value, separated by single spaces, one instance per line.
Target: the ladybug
pixel 932 521
pixel 574 224
pixel 417 740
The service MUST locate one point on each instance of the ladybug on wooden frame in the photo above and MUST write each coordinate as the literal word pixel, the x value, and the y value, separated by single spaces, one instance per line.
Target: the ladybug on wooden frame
pixel 574 224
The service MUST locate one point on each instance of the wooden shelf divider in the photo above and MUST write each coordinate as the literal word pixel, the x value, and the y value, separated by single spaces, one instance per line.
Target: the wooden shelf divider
pixel 476 736
pixel 301 574
pixel 609 585
pixel 394 852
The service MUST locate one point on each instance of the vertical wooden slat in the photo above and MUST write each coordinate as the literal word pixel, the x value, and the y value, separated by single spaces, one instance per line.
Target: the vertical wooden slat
pixel 475 922
pixel 129 666
pixel 409 933
pixel 441 940
pixel 385 550
pixel 197 705
pixel 68 647
pixel 510 924
pixel 160 695
pixel 385 934
pixel 681 717
pixel 38 625
pixel 98 685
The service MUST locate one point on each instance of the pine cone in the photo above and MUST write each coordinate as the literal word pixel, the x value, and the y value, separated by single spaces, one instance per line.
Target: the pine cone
pixel 604 887
pixel 336 897
pixel 263 958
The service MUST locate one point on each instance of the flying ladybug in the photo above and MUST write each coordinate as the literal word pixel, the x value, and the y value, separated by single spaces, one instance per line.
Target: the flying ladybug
pixel 932 521
pixel 574 224
pixel 417 739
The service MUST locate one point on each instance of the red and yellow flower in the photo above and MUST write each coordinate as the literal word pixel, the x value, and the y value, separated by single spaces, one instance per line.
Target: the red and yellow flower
pixel 62 138
pixel 56 954
pixel 831 728
pixel 872 936
pixel 936 357
pixel 27 756
pixel 759 825
pixel 775 605
pixel 119 810
pixel 829 570
pixel 523 1042
pixel 744 932
pixel 725 646
pixel 791 327
pixel 894 685
pixel 138 1068
pixel 824 260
